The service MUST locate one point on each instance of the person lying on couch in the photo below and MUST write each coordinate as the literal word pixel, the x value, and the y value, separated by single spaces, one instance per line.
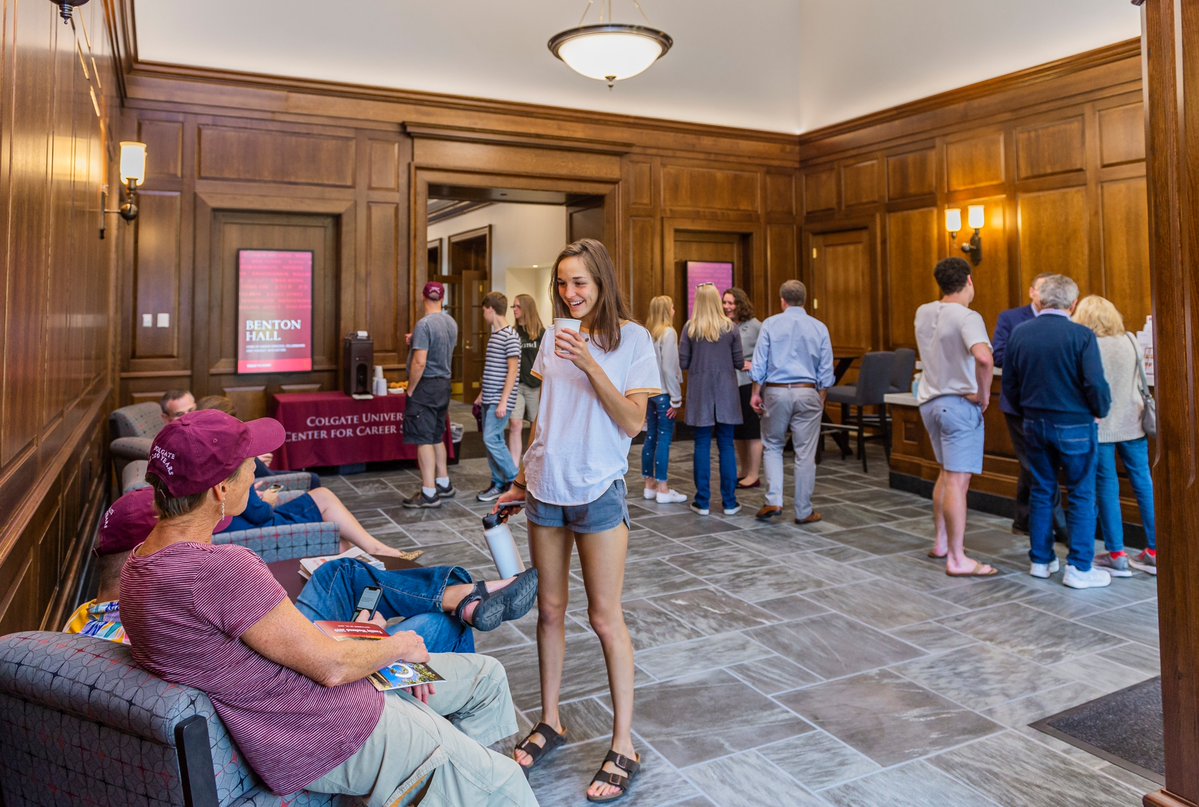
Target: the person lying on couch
pixel 439 603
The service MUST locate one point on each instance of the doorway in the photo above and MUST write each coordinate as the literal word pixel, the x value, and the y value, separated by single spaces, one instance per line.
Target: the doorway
pixel 468 276
pixel 839 292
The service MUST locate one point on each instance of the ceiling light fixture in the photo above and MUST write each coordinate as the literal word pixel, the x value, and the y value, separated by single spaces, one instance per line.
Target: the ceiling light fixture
pixel 610 51
pixel 65 7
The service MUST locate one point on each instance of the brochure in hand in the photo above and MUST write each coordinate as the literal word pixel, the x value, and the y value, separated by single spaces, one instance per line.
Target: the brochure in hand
pixel 310 565
pixel 400 675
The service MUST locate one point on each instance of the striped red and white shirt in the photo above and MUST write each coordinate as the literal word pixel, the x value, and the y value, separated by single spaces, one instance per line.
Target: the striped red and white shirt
pixel 185 608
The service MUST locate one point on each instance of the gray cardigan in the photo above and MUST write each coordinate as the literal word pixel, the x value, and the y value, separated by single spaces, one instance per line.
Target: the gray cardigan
pixel 749 330
pixel 667 348
pixel 712 394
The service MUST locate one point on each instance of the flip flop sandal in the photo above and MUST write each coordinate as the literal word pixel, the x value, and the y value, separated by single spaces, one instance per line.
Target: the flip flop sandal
pixel 536 752
pixel 623 781
pixel 510 602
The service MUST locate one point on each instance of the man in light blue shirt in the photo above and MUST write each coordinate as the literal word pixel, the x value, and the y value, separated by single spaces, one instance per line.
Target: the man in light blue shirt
pixel 792 371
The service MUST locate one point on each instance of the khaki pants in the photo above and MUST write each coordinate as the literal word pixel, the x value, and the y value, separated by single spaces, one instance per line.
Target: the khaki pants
pixel 440 745
pixel 798 410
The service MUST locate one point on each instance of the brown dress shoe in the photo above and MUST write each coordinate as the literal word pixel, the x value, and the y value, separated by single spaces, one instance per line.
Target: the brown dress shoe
pixel 811 518
pixel 768 512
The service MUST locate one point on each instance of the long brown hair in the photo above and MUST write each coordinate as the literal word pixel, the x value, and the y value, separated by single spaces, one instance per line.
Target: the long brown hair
pixel 610 307
pixel 743 309
pixel 529 320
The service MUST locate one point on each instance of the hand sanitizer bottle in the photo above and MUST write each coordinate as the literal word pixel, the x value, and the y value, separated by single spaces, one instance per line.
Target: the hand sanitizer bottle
pixel 503 548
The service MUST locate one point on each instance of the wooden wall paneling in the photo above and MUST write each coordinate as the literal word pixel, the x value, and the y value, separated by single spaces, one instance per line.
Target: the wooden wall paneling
pixel 643 251
pixel 913 242
pixel 686 239
pixel 842 290
pixel 780 195
pixel 164 149
pixel 912 173
pixel 515 161
pixel 384 282
pixel 159 283
pixel 1054 235
pixel 692 189
pixel 1046 149
pixel 1125 217
pixel 1122 134
pixel 782 263
pixel 639 182
pixel 861 182
pixel 820 190
pixel 276 155
pixel 384 162
pixel 975 161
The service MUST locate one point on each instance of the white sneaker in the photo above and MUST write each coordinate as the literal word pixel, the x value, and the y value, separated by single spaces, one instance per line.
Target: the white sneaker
pixel 671 496
pixel 1044 570
pixel 650 494
pixel 695 508
pixel 732 511
pixel 1095 578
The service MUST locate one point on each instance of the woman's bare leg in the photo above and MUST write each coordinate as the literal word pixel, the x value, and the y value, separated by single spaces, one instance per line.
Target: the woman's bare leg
pixel 514 439
pixel 603 561
pixel 352 532
pixel 550 548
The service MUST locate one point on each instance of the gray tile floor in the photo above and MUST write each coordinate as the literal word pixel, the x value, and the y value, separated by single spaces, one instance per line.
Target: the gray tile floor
pixel 833 664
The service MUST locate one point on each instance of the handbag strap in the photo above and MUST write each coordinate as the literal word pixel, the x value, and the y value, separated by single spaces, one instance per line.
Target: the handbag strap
pixel 1144 388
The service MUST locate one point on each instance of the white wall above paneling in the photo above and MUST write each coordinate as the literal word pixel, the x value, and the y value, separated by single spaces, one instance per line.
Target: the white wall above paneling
pixel 778 65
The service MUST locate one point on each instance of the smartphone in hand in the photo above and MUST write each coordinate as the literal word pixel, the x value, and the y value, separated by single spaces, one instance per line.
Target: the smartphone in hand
pixel 368 602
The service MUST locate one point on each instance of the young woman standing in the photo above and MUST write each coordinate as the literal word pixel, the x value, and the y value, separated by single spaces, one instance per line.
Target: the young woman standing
pixel 711 351
pixel 748 436
pixel 660 413
pixel 595 384
pixel 530 330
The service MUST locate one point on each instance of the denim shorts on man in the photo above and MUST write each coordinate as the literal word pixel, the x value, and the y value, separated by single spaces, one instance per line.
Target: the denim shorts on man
pixel 955 428
pixel 605 513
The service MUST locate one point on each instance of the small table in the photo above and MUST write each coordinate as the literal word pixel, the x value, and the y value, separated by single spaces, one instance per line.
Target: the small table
pixel 332 429
pixel 287 572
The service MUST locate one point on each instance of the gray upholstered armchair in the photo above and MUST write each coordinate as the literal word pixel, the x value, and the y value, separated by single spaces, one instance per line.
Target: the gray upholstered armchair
pixel 80 723
pixel 133 429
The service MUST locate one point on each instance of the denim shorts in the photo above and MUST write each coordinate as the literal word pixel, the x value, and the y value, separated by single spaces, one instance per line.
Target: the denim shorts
pixel 607 512
pixel 955 428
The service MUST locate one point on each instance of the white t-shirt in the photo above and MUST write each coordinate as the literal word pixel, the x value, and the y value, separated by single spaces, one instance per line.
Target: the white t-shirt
pixel 945 332
pixel 579 450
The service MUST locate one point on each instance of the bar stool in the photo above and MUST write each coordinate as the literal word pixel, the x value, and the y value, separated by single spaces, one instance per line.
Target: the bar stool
pixel 874 381
pixel 904 369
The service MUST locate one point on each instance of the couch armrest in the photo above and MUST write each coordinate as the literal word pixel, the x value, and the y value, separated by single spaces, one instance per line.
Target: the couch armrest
pixel 286 541
pixel 133 476
pixel 131 448
pixel 295 480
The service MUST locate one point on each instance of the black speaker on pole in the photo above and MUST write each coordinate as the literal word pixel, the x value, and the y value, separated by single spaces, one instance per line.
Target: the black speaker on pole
pixel 358 356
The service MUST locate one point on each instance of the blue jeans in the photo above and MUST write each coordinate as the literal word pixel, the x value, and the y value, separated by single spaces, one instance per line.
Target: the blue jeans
pixel 1073 451
pixel 703 465
pixel 659 434
pixel 1135 455
pixel 495 437
pixel 415 594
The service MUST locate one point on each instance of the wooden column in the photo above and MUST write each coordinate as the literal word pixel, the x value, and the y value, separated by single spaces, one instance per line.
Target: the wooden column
pixel 1170 39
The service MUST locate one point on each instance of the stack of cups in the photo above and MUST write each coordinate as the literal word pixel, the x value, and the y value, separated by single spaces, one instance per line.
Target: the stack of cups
pixel 380 382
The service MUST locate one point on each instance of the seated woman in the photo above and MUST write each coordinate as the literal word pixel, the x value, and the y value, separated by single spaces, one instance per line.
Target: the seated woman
pixel 439 603
pixel 297 702
pixel 264 510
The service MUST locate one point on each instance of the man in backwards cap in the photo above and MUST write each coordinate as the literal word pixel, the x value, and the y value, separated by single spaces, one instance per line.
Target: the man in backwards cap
pixel 429 369
pixel 214 618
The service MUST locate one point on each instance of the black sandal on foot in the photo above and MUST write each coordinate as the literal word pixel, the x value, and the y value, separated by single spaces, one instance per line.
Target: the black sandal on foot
pixel 510 602
pixel 552 740
pixel 621 780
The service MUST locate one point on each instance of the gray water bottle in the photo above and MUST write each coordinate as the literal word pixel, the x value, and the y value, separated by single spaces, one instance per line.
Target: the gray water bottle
pixel 503 548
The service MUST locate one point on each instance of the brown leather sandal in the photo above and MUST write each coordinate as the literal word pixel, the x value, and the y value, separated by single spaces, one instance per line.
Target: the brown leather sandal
pixel 552 740
pixel 623 781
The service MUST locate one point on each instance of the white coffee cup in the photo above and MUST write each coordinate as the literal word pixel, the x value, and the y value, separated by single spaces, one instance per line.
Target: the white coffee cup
pixel 567 324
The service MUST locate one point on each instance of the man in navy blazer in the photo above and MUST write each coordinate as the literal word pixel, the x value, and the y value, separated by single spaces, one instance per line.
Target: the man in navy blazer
pixel 1008 321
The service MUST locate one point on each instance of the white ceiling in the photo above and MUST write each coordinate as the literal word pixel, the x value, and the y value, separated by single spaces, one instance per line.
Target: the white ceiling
pixel 780 65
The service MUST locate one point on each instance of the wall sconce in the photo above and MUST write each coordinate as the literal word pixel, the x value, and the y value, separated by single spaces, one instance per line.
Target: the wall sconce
pixel 977 219
pixel 133 172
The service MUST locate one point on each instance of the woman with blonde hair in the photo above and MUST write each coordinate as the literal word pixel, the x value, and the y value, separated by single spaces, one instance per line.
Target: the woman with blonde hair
pixel 711 352
pixel 1120 433
pixel 661 409
pixel 528 396
pixel 748 436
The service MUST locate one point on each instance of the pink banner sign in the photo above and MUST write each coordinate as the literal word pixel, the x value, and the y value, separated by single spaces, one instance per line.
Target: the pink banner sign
pixel 274 311
pixel 701 272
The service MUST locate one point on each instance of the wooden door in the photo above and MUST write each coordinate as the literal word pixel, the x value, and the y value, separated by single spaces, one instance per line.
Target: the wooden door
pixel 215 312
pixel 840 293
pixel 470 268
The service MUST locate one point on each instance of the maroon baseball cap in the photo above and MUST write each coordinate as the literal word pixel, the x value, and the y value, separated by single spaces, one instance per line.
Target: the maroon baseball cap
pixel 201 449
pixel 127 523
pixel 434 290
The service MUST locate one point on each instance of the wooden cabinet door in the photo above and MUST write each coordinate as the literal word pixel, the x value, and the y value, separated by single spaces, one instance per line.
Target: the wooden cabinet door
pixel 840 294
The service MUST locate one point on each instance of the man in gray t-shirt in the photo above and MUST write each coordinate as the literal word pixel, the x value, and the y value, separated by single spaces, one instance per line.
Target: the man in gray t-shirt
pixel 433 342
pixel 955 388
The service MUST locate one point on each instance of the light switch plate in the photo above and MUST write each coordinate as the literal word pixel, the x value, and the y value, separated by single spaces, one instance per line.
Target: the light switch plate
pixel 164 320
pixel 147 320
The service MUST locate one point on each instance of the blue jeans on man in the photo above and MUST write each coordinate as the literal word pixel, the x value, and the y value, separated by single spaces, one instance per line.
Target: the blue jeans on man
pixel 495 438
pixel 659 434
pixel 415 594
pixel 702 465
pixel 1071 451
pixel 1135 456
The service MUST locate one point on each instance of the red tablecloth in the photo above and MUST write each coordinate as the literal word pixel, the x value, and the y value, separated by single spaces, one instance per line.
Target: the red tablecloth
pixel 331 428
